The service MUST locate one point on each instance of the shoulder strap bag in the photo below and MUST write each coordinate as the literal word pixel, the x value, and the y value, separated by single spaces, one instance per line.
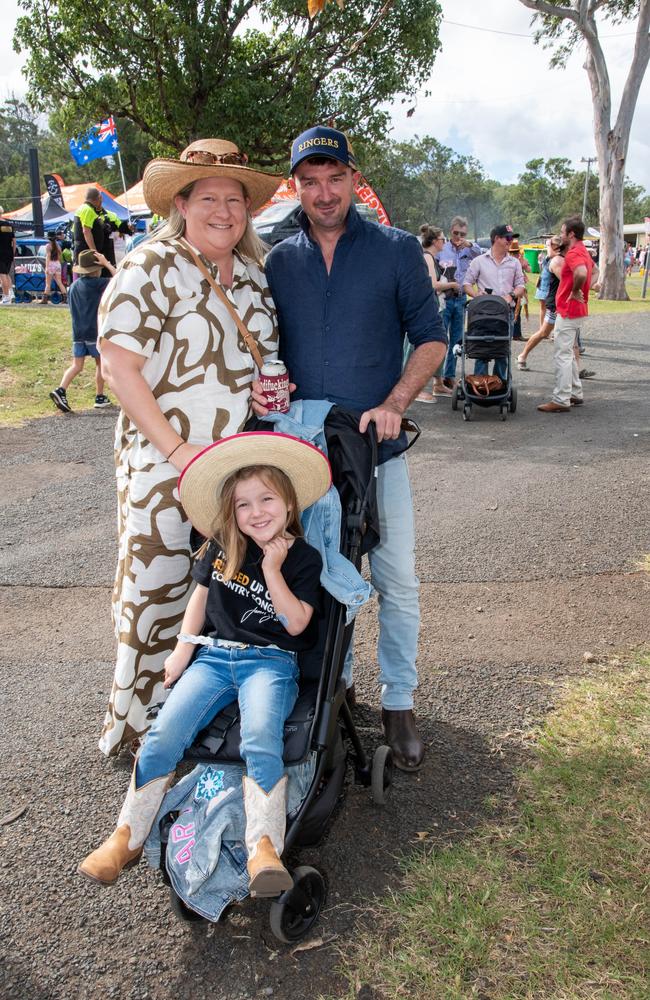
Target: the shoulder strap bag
pixel 219 292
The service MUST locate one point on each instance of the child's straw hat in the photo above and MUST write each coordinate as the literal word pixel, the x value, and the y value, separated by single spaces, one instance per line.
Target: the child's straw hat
pixel 201 480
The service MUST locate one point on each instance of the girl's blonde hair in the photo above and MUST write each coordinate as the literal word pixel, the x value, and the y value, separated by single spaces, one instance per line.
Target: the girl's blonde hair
pixel 225 530
pixel 250 245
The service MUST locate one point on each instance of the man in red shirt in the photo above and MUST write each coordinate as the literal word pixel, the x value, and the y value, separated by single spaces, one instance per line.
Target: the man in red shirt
pixel 571 303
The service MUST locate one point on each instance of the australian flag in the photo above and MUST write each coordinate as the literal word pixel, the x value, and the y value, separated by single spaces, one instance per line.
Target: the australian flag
pixel 98 141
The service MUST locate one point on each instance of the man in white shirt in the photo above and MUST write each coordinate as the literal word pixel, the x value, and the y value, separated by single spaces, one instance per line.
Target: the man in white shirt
pixel 496 272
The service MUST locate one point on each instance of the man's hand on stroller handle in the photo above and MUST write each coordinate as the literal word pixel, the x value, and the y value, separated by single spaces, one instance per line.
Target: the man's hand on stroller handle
pixel 387 418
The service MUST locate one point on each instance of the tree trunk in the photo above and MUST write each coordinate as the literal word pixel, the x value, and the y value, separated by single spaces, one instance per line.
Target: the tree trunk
pixel 611 142
pixel 611 172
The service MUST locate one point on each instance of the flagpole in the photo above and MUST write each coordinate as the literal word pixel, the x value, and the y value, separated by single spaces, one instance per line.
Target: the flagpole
pixel 126 197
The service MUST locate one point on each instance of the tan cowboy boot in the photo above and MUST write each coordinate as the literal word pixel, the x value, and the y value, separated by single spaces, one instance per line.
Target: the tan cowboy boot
pixel 265 826
pixel 124 846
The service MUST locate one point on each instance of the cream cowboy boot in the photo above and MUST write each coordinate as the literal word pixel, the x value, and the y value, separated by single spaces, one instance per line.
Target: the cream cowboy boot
pixel 265 825
pixel 124 846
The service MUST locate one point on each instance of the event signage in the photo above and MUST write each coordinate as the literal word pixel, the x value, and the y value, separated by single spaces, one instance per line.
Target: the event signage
pixel 370 198
pixel 53 185
pixel 362 189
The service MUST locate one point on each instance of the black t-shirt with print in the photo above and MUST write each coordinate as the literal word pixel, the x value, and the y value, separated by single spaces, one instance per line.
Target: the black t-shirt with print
pixel 241 609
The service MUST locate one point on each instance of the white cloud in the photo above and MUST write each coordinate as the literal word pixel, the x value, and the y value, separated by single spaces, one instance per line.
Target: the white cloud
pixel 494 96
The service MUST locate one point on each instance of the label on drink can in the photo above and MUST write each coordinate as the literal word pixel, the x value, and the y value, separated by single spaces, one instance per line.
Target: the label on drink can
pixel 274 379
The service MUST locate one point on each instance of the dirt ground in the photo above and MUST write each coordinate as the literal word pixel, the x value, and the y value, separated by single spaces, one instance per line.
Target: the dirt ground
pixel 532 536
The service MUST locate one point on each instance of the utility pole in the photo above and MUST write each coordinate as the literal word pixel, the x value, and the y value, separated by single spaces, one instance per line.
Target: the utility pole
pixel 588 160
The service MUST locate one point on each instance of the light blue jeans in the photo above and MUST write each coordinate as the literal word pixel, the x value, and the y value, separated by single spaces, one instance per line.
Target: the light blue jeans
pixel 454 318
pixel 263 679
pixel 392 571
pixel 322 521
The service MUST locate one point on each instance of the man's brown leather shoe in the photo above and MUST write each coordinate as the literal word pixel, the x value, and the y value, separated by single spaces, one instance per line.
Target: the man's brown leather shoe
pixel 554 408
pixel 576 402
pixel 402 737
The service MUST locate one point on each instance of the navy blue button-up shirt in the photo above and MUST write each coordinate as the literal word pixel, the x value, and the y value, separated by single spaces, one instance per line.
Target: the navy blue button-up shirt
pixel 342 333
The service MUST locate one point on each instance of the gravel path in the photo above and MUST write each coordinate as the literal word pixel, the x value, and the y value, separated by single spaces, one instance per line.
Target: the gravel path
pixel 531 537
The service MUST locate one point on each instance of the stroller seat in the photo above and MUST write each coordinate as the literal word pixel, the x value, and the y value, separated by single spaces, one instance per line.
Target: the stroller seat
pixel 487 338
pixel 320 723
pixel 220 741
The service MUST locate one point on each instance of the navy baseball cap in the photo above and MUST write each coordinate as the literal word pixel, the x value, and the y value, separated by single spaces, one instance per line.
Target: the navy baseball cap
pixel 322 141
pixel 504 231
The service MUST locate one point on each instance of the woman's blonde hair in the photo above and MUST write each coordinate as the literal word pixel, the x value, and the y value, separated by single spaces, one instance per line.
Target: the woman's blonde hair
pixel 225 529
pixel 250 245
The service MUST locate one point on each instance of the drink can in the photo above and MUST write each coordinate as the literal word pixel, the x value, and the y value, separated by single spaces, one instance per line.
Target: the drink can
pixel 274 379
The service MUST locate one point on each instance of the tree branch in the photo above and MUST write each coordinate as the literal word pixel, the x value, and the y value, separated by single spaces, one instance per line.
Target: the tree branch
pixel 542 7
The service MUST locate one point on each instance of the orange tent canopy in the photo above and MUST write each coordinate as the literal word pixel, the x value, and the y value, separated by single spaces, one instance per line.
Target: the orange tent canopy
pixel 136 200
pixel 74 195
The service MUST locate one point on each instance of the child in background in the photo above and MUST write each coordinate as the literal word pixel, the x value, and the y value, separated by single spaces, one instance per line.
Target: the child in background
pixel 251 614
pixel 84 296
pixel 53 269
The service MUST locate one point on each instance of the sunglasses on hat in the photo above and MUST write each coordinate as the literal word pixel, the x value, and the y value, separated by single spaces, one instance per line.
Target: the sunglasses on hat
pixel 204 158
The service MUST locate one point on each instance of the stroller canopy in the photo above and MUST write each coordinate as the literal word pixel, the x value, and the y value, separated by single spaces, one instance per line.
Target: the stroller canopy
pixel 487 314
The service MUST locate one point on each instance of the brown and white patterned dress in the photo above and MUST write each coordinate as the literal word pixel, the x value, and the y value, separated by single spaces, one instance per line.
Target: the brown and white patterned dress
pixel 200 371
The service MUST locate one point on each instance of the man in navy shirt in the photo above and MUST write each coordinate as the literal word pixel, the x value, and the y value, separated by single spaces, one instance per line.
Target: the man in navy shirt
pixel 347 291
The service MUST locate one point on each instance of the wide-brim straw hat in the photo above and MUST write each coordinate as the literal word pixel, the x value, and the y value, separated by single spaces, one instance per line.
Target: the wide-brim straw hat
pixel 201 480
pixel 164 178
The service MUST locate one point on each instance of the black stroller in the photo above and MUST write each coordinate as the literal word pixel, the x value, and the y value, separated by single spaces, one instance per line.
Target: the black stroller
pixel 321 720
pixel 487 335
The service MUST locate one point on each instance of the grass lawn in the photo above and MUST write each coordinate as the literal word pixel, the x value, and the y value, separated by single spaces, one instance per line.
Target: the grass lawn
pixel 549 902
pixel 634 287
pixel 35 351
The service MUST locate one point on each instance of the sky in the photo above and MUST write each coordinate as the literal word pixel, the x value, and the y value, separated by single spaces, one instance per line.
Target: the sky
pixel 493 94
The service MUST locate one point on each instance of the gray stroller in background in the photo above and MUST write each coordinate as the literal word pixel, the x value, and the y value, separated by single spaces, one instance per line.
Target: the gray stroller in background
pixel 487 336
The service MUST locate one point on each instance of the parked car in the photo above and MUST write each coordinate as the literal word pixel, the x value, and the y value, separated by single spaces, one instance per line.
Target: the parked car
pixel 280 220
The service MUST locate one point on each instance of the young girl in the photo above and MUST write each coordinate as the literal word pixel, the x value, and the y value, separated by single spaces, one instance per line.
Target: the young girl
pixel 252 612
pixel 53 261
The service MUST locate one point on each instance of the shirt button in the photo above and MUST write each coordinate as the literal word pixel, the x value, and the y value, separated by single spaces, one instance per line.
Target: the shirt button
pixel 327 327
pixel 328 294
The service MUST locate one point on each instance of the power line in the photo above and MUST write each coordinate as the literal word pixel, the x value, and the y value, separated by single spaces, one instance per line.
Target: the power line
pixel 517 34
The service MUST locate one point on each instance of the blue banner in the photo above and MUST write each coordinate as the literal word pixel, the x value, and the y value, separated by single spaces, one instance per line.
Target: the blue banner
pixel 98 141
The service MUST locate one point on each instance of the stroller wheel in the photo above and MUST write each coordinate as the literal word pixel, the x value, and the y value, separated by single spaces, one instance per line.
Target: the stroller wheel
pixel 382 774
pixel 513 399
pixel 183 912
pixel 503 410
pixel 296 911
pixel 455 398
pixel 467 411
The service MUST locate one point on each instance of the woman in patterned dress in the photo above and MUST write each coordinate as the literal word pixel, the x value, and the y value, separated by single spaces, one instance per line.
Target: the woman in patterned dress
pixel 180 369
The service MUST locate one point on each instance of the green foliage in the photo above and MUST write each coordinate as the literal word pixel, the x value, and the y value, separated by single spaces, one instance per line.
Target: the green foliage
pixel 256 72
pixel 534 204
pixel 19 130
pixel 546 900
pixel 548 191
pixel 425 181
pixel 561 33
